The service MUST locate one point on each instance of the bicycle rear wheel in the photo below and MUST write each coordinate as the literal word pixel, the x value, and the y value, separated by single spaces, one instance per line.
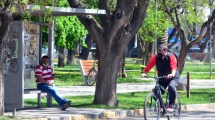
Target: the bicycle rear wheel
pixel 91 77
pixel 151 107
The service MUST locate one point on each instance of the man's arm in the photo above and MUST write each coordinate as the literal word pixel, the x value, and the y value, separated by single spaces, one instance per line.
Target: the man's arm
pixel 39 78
pixel 149 66
pixel 173 65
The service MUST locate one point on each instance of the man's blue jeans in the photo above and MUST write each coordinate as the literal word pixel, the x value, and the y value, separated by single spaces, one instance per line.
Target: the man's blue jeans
pixel 53 92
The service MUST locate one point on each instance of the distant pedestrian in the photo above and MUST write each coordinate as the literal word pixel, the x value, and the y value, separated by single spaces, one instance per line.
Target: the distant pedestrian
pixel 45 82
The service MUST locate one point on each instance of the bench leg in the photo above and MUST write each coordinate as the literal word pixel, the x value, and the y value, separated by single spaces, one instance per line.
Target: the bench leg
pixel 38 100
pixel 49 100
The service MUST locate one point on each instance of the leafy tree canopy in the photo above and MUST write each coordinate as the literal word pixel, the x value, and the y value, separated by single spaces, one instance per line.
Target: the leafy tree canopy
pixel 68 30
pixel 148 30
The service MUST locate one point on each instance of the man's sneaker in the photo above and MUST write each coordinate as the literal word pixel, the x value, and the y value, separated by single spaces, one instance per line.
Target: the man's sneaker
pixel 169 108
pixel 65 105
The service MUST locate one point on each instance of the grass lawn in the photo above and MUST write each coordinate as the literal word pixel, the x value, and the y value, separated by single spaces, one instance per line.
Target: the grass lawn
pixel 135 99
pixel 71 75
pixel 68 76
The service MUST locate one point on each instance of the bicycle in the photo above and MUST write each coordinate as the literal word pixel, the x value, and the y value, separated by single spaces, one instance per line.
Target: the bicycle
pixel 92 75
pixel 154 101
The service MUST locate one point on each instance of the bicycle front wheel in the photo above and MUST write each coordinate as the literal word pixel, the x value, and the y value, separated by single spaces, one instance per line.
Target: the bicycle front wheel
pixel 176 114
pixel 91 77
pixel 151 107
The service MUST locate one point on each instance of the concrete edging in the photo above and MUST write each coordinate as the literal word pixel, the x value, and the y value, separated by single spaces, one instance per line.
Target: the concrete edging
pixel 140 112
pixel 116 113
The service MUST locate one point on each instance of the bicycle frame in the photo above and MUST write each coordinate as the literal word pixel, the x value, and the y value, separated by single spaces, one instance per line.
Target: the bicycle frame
pixel 157 91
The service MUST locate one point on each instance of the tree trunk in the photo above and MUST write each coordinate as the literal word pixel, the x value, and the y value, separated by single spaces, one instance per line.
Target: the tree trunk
pixel 6 21
pixel 61 57
pixel 112 34
pixel 85 50
pixel 182 56
pixel 124 75
pixel 122 71
pixel 148 52
pixel 140 52
pixel 1 86
pixel 71 57
pixel 106 80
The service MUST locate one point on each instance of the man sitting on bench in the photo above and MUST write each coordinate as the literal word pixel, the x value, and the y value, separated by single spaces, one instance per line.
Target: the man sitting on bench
pixel 45 82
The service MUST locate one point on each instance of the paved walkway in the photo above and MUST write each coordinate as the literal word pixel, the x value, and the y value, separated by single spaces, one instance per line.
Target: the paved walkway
pixel 92 113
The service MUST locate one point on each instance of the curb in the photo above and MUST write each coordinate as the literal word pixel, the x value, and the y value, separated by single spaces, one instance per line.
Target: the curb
pixel 198 107
pixel 116 113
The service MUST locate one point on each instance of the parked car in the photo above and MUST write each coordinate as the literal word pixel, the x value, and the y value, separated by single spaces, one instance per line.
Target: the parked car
pixel 194 49
pixel 133 53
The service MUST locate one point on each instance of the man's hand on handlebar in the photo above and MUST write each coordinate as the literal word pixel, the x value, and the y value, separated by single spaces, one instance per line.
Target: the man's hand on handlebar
pixel 169 76
pixel 143 75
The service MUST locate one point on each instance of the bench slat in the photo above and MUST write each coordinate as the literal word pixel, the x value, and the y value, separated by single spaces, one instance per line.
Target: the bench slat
pixel 32 90
pixel 89 63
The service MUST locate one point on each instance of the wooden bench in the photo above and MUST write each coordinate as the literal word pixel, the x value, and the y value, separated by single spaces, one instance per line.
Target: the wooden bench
pixel 39 92
pixel 85 66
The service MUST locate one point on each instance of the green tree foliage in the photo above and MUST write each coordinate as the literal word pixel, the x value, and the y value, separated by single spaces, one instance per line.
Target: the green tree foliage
pixel 91 3
pixel 194 13
pixel 68 30
pixel 148 30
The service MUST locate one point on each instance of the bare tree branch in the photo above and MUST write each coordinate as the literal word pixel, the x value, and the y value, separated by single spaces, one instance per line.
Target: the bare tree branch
pixel 6 19
pixel 172 34
pixel 104 4
pixel 169 12
pixel 121 18
pixel 139 14
pixel 87 20
pixel 178 18
pixel 204 26
pixel 175 41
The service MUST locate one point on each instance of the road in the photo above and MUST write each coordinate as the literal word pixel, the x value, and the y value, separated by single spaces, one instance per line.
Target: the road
pixel 195 115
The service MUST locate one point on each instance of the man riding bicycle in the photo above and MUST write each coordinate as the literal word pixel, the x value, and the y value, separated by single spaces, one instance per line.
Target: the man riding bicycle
pixel 166 65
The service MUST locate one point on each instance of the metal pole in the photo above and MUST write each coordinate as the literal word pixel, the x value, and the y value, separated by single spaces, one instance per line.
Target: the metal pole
pixel 50 54
pixel 188 85
pixel 40 38
pixel 211 45
pixel 211 40
pixel 156 22
pixel 51 43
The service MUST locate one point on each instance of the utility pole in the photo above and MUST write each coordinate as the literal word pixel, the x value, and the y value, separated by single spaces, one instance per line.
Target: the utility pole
pixel 156 35
pixel 211 39
pixel 156 22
